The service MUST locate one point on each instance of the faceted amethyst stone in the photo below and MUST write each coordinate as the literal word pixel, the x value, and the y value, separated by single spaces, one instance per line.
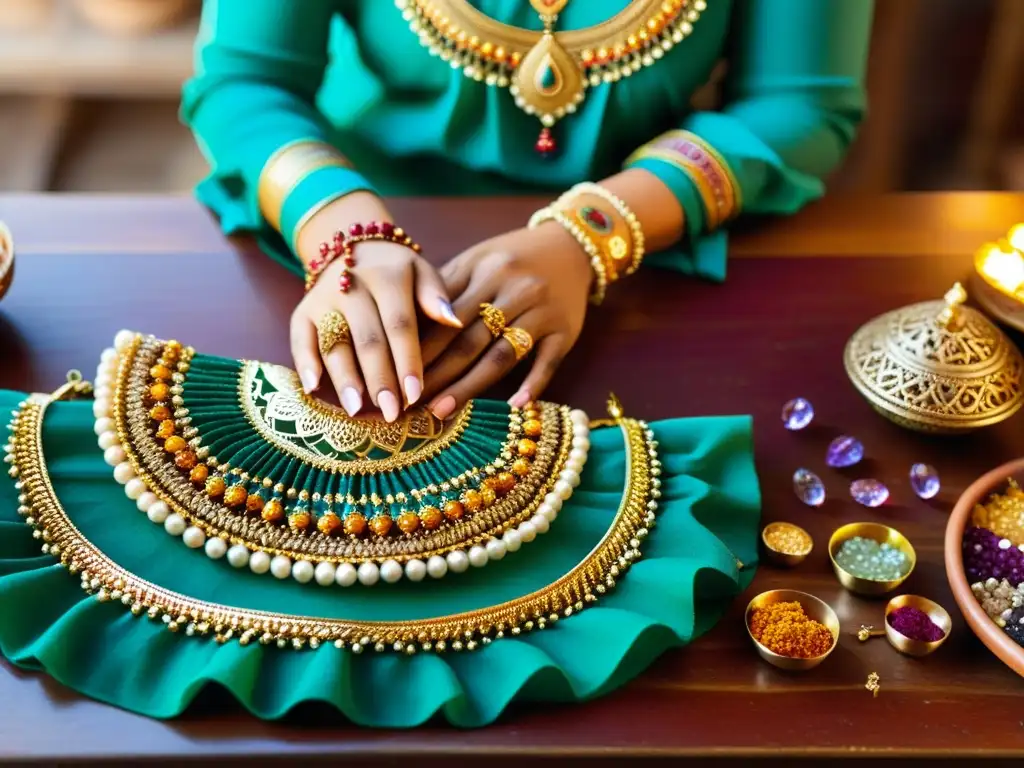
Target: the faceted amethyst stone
pixel 844 451
pixel 797 414
pixel 870 493
pixel 808 488
pixel 984 558
pixel 924 480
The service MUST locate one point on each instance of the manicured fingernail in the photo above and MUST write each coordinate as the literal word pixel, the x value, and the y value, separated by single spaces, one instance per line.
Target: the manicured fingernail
pixel 413 389
pixel 449 313
pixel 444 407
pixel 351 401
pixel 310 380
pixel 520 399
pixel 388 405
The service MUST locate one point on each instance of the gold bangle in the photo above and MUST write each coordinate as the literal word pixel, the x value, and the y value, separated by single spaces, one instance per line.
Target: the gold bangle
pixel 635 228
pixel 716 208
pixel 287 167
pixel 677 138
pixel 597 263
pixel 718 187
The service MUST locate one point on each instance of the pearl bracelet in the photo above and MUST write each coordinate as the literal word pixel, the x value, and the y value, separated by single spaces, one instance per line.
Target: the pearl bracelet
pixel 635 228
pixel 597 264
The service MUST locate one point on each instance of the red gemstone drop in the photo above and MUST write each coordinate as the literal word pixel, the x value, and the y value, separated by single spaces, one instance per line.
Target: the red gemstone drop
pixel 372 228
pixel 596 218
pixel 545 142
pixel 350 262
pixel 387 228
pixel 325 248
pixel 355 230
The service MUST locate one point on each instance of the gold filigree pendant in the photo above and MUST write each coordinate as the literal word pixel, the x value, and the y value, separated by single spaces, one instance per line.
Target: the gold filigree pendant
pixel 550 84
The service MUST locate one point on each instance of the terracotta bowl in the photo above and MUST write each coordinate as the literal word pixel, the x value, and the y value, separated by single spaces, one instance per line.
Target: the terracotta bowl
pixel 992 636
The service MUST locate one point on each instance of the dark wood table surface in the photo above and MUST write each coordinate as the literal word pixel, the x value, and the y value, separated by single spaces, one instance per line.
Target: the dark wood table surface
pixel 669 346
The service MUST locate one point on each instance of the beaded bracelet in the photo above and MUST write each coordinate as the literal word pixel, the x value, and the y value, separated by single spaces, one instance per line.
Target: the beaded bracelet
pixel 344 246
pixel 595 231
pixel 635 229
pixel 597 261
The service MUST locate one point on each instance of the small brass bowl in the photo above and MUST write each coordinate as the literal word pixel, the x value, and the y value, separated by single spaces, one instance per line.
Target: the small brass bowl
pixel 880 533
pixel 778 556
pixel 935 612
pixel 815 608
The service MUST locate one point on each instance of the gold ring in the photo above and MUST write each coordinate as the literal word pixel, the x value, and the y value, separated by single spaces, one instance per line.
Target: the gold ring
pixel 521 341
pixel 493 318
pixel 331 331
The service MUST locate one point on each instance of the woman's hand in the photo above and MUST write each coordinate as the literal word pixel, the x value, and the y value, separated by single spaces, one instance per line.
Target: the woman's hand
pixel 540 278
pixel 382 359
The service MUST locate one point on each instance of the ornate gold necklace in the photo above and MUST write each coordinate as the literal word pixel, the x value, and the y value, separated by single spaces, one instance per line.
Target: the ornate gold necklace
pixel 548 73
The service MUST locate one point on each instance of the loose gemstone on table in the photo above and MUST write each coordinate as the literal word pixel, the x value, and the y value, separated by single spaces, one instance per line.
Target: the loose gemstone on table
pixel 844 451
pixel 869 492
pixel 797 414
pixel 924 480
pixel 808 488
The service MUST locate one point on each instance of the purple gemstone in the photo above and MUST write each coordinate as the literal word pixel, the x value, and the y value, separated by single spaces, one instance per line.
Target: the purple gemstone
pixel 808 488
pixel 870 493
pixel 797 414
pixel 924 480
pixel 844 451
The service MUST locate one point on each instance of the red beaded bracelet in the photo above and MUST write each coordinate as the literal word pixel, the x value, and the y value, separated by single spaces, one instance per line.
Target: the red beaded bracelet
pixel 344 246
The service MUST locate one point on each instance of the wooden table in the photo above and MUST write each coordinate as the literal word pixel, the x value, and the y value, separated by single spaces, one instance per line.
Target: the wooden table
pixel 669 346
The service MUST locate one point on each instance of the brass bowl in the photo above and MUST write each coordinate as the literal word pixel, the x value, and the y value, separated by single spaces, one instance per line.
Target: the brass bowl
pixel 778 556
pixel 935 612
pixel 815 608
pixel 6 259
pixel 880 533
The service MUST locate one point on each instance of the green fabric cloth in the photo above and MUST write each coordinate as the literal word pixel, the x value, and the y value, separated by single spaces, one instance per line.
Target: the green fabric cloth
pixel 351 72
pixel 708 517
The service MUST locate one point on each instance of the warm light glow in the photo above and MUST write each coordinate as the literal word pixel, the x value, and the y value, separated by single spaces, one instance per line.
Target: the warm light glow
pixel 1002 266
pixel 1016 237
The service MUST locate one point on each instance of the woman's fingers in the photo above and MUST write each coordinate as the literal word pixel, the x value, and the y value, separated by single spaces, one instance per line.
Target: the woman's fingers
pixel 550 351
pixel 433 296
pixel 473 341
pixel 392 291
pixel 305 351
pixel 373 352
pixel 341 366
pixel 499 359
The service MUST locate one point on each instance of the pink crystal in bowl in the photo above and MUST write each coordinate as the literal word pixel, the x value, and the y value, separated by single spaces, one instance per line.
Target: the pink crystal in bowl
pixel 1001 644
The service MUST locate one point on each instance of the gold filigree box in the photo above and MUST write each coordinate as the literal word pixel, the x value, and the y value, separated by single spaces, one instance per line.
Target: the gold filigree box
pixel 937 366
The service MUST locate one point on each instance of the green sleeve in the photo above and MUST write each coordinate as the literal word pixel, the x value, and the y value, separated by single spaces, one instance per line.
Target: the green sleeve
pixel 794 96
pixel 259 66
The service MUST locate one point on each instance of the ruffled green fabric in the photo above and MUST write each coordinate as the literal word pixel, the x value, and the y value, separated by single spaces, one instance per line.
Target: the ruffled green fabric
pixel 708 518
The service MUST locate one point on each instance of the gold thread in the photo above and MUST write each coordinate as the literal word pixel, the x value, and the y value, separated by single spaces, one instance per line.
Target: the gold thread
pixel 593 576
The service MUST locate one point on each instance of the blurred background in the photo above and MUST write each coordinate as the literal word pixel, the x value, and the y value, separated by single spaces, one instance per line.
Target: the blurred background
pixel 89 94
